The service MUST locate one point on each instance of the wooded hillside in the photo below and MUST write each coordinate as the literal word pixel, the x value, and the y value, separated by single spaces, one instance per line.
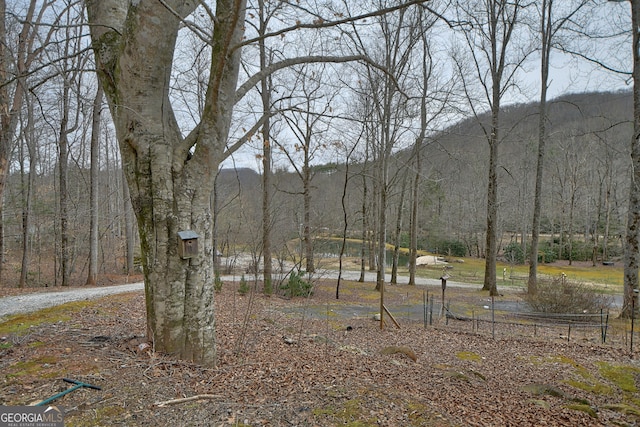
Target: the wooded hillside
pixel 586 184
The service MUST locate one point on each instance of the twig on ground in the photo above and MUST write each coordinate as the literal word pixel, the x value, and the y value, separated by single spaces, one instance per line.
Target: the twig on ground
pixel 187 399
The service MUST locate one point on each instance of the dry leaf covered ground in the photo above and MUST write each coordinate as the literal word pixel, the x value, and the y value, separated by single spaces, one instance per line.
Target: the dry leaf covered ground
pixel 308 362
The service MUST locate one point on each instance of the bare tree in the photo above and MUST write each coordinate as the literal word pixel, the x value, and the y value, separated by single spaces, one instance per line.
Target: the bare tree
pixel 70 69
pixel 433 100
pixel 17 58
pixel 308 118
pixel 266 56
pixel 396 36
pixel 550 26
pixel 495 61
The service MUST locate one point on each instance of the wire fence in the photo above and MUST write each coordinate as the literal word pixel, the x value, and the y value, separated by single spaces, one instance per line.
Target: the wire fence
pixel 602 328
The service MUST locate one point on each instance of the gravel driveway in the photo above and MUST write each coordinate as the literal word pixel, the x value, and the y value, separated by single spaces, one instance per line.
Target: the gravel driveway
pixel 33 302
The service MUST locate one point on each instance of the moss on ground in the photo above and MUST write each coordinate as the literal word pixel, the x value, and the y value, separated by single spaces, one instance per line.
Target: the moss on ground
pixel 20 324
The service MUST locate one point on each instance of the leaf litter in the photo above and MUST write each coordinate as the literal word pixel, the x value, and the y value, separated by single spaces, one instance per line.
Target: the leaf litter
pixel 283 367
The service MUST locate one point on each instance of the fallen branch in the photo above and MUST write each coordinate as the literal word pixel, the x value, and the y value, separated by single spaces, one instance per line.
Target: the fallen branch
pixel 187 399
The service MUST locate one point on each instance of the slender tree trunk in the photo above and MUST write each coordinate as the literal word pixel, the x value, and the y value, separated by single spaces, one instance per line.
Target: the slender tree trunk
pixel 492 208
pixel 92 277
pixel 607 221
pixel 63 157
pixel 308 240
pixel 571 214
pixel 381 224
pixel 413 226
pixel 398 230
pixel 27 191
pixel 25 182
pixel 374 221
pixel 632 245
pixel 365 230
pixel 345 219
pixel 265 92
pixel 546 31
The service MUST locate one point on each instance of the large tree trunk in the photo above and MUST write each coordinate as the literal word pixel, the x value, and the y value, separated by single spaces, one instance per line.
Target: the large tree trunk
pixel 170 186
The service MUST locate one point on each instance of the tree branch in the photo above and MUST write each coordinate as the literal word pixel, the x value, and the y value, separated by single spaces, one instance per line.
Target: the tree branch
pixel 256 78
pixel 321 23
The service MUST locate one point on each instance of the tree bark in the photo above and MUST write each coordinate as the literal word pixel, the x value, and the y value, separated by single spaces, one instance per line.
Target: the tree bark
pixel 129 227
pixel 63 157
pixel 170 187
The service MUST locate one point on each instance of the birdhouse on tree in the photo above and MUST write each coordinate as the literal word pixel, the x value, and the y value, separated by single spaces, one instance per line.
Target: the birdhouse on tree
pixel 187 244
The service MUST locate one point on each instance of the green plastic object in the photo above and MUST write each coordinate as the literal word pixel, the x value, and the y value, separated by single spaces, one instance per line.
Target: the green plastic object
pixel 78 384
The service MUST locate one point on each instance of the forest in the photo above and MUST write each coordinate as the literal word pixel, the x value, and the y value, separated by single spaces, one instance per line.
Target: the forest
pixel 586 187
pixel 267 127
pixel 584 210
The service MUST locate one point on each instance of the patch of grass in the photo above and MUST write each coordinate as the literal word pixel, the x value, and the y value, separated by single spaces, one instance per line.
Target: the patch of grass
pixel 586 380
pixel 469 355
pixel 634 400
pixel 560 359
pixel 30 367
pixel 590 385
pixel 19 324
pixel 623 376
pixel 347 413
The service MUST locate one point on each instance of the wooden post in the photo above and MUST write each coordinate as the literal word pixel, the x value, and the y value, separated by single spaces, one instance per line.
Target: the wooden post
pixel 391 316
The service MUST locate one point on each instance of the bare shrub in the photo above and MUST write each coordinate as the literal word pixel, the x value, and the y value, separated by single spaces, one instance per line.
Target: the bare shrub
pixel 559 295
